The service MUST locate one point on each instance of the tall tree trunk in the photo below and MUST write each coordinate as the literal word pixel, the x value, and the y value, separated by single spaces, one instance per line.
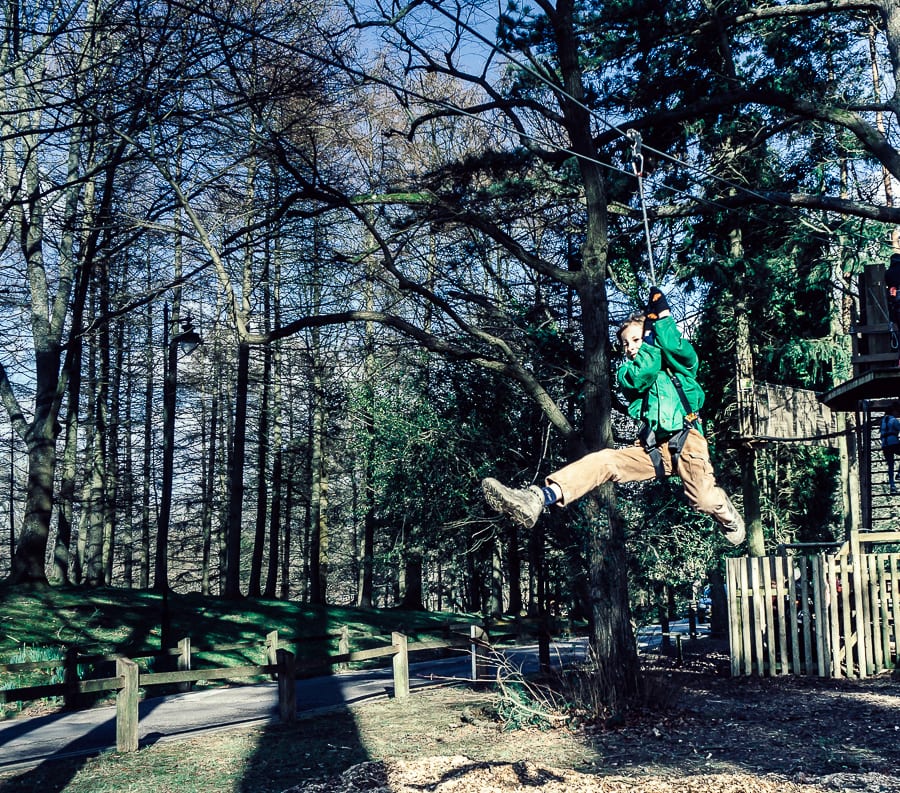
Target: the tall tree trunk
pixel 318 525
pixel 147 458
pixel 254 586
pixel 514 570
pixel 170 394
pixel 225 422
pixel 209 485
pixel 128 492
pixel 287 534
pixel 81 549
pixel 472 578
pixel 535 570
pixel 365 590
pixel 99 385
pixel 11 504
pixel 67 484
pixel 496 604
pixel 277 439
pixel 413 589
pixel 617 668
pixel 271 589
pixel 111 498
pixel 306 553
pixel 27 563
pixel 236 475
pixel 747 457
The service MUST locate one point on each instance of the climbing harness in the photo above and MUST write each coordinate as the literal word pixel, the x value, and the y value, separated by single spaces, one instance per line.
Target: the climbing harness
pixel 637 164
pixel 675 443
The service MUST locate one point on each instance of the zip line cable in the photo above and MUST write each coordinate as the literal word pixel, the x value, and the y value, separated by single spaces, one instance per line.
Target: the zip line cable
pixel 367 77
pixel 556 88
pixel 608 124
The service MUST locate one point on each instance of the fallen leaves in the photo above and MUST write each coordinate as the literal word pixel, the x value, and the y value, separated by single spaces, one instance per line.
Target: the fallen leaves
pixel 461 775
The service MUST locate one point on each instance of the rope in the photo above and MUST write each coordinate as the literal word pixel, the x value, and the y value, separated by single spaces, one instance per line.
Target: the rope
pixel 637 163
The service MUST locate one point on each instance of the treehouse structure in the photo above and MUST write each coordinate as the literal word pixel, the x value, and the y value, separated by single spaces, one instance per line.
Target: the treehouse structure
pixel 874 386
pixel 829 610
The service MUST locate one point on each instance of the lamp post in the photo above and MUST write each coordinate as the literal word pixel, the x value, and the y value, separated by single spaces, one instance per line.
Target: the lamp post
pixel 185 342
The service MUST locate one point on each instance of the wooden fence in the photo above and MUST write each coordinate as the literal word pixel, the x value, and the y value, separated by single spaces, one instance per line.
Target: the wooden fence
pixel 280 664
pixel 824 615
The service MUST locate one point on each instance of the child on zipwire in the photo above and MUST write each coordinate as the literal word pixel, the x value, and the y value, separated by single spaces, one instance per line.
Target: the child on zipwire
pixel 658 378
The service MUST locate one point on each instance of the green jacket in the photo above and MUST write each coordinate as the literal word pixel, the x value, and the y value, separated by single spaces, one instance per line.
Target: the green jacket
pixel 649 374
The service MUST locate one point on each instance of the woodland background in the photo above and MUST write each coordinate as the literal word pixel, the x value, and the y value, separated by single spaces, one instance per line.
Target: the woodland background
pixel 405 233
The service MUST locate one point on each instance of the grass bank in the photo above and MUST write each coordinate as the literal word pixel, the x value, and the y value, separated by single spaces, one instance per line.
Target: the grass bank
pixel 105 619
pixel 39 623
pixel 266 758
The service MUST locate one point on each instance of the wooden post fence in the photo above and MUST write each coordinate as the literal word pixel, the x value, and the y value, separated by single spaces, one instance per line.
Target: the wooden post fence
pixel 127 701
pixel 401 666
pixel 344 644
pixel 287 685
pixel 271 647
pixel 70 678
pixel 184 662
pixel 279 661
pixel 478 636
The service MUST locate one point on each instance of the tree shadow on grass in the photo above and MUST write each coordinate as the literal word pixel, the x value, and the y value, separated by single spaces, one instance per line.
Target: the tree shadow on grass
pixel 66 742
pixel 283 755
pixel 311 749
pixel 324 741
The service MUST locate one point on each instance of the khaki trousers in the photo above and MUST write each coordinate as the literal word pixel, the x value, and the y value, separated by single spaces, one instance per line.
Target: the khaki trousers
pixel 633 464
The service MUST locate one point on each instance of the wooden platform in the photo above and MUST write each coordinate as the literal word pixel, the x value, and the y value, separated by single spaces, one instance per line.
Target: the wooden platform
pixel 875 384
pixel 876 348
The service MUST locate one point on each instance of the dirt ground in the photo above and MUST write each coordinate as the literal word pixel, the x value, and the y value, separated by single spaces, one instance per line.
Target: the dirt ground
pixel 705 732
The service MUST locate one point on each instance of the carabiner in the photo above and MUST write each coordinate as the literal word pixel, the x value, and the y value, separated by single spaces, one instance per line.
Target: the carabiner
pixel 637 159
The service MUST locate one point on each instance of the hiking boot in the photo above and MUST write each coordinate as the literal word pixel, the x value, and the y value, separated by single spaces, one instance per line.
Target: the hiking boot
pixel 524 505
pixel 733 528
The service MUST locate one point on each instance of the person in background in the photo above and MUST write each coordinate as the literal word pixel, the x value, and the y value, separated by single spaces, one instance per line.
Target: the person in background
pixel 658 379
pixel 890 442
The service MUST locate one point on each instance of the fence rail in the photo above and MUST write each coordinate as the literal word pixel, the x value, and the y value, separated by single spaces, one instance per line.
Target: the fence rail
pixel 820 615
pixel 281 664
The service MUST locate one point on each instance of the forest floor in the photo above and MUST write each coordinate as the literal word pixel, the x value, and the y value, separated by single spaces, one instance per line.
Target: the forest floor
pixel 700 731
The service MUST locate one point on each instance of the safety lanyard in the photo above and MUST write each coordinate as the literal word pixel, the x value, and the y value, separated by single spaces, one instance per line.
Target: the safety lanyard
pixel 637 164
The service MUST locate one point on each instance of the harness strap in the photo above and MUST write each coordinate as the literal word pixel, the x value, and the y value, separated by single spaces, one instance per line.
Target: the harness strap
pixel 676 444
pixel 651 447
pixel 691 417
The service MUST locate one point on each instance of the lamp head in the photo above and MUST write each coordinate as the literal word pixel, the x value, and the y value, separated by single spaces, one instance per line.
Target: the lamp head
pixel 188 340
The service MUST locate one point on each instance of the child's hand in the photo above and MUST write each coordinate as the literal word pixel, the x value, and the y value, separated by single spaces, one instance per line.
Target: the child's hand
pixel 656 304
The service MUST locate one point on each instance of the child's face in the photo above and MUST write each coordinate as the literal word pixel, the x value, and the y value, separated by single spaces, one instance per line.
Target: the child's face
pixel 632 338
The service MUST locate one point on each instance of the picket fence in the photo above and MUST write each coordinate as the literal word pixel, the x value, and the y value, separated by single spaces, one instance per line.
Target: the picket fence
pixel 824 615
